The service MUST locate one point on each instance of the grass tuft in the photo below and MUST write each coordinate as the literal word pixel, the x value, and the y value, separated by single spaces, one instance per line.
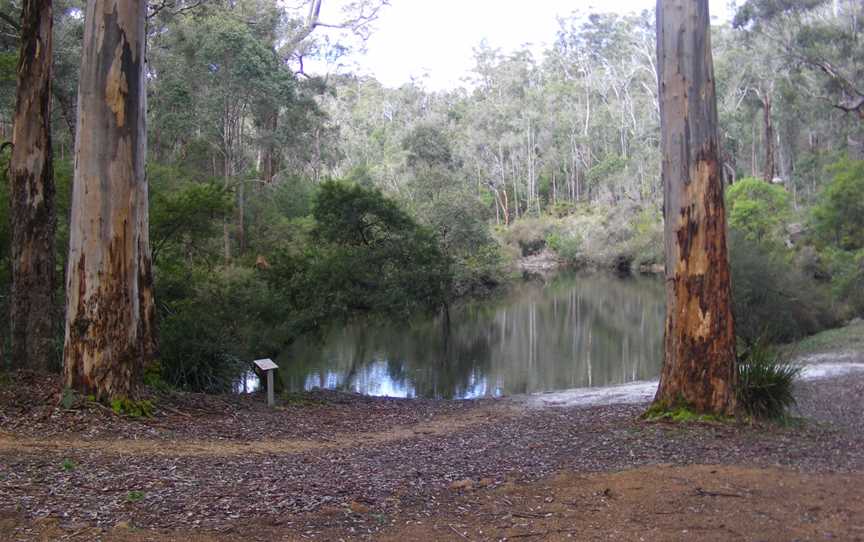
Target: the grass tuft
pixel 765 382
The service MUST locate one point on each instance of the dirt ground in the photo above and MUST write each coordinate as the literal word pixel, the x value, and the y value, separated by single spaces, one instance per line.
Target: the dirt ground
pixel 699 502
pixel 344 467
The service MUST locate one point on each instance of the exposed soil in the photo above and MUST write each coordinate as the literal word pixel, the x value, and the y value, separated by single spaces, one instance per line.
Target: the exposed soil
pixel 336 466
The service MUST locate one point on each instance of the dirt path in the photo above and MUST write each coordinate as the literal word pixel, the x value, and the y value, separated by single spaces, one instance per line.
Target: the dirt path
pixel 438 426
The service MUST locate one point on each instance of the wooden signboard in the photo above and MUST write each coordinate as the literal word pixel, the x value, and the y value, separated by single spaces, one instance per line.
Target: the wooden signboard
pixel 265 364
pixel 268 366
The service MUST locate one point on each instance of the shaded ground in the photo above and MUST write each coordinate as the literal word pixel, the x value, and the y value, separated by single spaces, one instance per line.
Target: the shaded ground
pixel 338 466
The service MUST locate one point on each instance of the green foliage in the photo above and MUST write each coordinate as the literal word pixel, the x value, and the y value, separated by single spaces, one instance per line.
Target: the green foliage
pixel 123 406
pixel 135 496
pixel 568 245
pixel 371 256
pixel 153 377
pixel 838 217
pixel 68 398
pixel 765 382
pixel 68 465
pixel 183 213
pixel 608 237
pixel 427 146
pixel 476 260
pixel 358 254
pixel 646 243
pixel 771 297
pixel 215 319
pixel 757 208
pixel 847 278
pixel 608 167
pixel 679 412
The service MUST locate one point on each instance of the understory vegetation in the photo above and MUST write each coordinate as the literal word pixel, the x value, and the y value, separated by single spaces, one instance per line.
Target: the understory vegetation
pixel 765 382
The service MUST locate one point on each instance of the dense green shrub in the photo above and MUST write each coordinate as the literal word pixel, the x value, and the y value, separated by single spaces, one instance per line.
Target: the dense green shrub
pixel 765 382
pixel 608 237
pixel 646 243
pixel 838 217
pixel 771 297
pixel 568 246
pixel 477 260
pixel 362 254
pixel 215 323
pixel 847 279
pixel 757 209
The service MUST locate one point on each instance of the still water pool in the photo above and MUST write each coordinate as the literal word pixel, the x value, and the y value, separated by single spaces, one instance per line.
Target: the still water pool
pixel 568 331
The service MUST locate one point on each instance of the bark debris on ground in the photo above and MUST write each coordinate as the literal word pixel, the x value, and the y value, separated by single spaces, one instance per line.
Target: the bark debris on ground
pixel 339 466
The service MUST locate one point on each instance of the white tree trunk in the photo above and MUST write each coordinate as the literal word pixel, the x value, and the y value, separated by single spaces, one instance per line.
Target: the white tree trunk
pixel 109 289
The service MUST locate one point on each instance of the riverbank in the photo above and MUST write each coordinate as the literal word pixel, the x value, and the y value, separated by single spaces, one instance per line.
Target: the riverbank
pixel 330 466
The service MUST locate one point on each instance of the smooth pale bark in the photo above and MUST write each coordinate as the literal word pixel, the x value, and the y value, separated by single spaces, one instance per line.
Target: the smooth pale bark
pixel 32 193
pixel 699 365
pixel 109 290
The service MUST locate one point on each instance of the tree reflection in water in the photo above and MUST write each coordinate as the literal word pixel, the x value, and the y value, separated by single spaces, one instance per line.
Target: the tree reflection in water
pixel 573 331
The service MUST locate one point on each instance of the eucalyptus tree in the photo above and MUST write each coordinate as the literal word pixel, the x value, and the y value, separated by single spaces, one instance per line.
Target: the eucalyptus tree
pixel 31 175
pixel 821 35
pixel 699 367
pixel 110 316
pixel 212 69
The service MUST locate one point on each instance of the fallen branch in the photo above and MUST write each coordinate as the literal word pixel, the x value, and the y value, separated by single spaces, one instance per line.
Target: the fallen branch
pixel 455 530
pixel 702 493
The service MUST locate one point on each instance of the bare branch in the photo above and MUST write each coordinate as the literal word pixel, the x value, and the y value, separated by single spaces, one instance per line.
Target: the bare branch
pixel 357 24
pixel 172 7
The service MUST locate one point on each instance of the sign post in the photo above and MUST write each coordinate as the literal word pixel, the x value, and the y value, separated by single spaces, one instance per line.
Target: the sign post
pixel 268 367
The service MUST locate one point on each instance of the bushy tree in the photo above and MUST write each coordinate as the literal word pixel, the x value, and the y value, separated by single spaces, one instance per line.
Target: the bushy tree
pixel 757 209
pixel 838 218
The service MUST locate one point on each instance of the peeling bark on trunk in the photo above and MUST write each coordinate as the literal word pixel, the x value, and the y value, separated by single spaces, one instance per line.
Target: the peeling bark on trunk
pixel 110 327
pixel 699 366
pixel 34 218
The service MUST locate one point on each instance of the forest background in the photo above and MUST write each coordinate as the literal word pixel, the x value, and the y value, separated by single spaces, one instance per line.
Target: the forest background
pixel 284 202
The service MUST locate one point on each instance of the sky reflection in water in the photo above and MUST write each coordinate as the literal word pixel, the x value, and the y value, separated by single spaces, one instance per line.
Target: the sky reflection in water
pixel 570 331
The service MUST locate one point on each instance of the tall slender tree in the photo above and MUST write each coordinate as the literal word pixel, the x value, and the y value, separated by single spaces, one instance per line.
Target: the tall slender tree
pixel 699 365
pixel 110 330
pixel 32 188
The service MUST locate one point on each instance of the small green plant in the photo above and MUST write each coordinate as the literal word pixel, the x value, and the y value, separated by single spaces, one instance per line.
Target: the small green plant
pixel 765 382
pixel 680 412
pixel 68 465
pixel 135 496
pixel 134 409
pixel 301 399
pixel 153 377
pixel 68 399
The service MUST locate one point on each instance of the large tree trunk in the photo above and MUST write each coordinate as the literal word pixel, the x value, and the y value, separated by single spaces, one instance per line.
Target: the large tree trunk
pixel 32 185
pixel 699 366
pixel 770 167
pixel 110 329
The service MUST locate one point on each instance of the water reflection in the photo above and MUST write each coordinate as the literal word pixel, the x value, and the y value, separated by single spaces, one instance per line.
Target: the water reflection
pixel 572 331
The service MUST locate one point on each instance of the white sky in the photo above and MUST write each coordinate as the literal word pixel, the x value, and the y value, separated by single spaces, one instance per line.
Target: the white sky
pixel 436 38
